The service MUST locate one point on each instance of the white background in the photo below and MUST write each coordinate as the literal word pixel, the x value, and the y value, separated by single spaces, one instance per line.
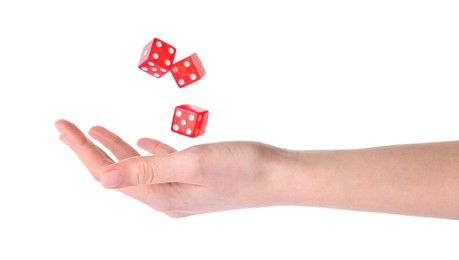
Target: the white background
pixel 296 74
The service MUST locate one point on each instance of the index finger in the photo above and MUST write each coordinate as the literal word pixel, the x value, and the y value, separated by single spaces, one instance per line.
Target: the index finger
pixel 88 153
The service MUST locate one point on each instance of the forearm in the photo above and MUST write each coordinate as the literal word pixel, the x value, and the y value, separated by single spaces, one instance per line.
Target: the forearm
pixel 420 179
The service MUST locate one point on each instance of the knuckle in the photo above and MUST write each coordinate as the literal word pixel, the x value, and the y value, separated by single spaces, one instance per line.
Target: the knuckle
pixel 196 157
pixel 145 172
pixel 116 142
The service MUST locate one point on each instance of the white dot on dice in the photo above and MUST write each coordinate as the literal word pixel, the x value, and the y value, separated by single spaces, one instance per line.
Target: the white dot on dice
pixel 153 69
pixel 159 44
pixel 171 50
pixel 156 75
pixel 186 64
pixel 151 63
pixel 155 56
pixel 175 69
pixel 191 117
pixel 178 113
pixel 188 131
pixel 181 82
pixel 183 122
pixel 167 62
pixel 176 127
pixel 144 69
pixel 193 76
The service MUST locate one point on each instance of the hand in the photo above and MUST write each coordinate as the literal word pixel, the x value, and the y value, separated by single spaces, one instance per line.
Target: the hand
pixel 415 179
pixel 200 179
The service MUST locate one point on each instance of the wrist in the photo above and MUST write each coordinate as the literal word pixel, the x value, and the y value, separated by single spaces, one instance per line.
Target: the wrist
pixel 302 178
pixel 288 175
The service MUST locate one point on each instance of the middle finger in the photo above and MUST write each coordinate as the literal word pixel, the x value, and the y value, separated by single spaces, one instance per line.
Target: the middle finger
pixel 117 146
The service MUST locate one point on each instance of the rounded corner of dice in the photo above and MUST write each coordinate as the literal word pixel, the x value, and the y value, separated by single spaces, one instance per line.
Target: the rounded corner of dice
pixel 189 120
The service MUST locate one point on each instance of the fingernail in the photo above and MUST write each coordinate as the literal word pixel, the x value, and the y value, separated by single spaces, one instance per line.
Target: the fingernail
pixel 58 127
pixel 62 138
pixel 111 179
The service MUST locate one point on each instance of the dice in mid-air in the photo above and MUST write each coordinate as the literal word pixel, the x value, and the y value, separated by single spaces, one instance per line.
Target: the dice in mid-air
pixel 188 70
pixel 157 58
pixel 189 120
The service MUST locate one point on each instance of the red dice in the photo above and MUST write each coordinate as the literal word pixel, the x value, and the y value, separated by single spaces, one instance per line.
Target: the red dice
pixel 189 120
pixel 188 70
pixel 157 58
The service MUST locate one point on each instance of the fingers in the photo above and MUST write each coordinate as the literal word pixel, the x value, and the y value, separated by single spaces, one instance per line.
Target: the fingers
pixel 145 170
pixel 117 146
pixel 167 166
pixel 154 146
pixel 88 153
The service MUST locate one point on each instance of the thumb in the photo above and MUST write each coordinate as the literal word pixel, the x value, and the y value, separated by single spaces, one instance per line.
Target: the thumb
pixel 146 170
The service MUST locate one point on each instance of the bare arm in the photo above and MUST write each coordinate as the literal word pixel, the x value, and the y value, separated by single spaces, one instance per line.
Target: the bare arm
pixel 417 179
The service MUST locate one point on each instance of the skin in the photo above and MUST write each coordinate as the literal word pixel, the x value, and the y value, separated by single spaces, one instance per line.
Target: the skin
pixel 415 179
